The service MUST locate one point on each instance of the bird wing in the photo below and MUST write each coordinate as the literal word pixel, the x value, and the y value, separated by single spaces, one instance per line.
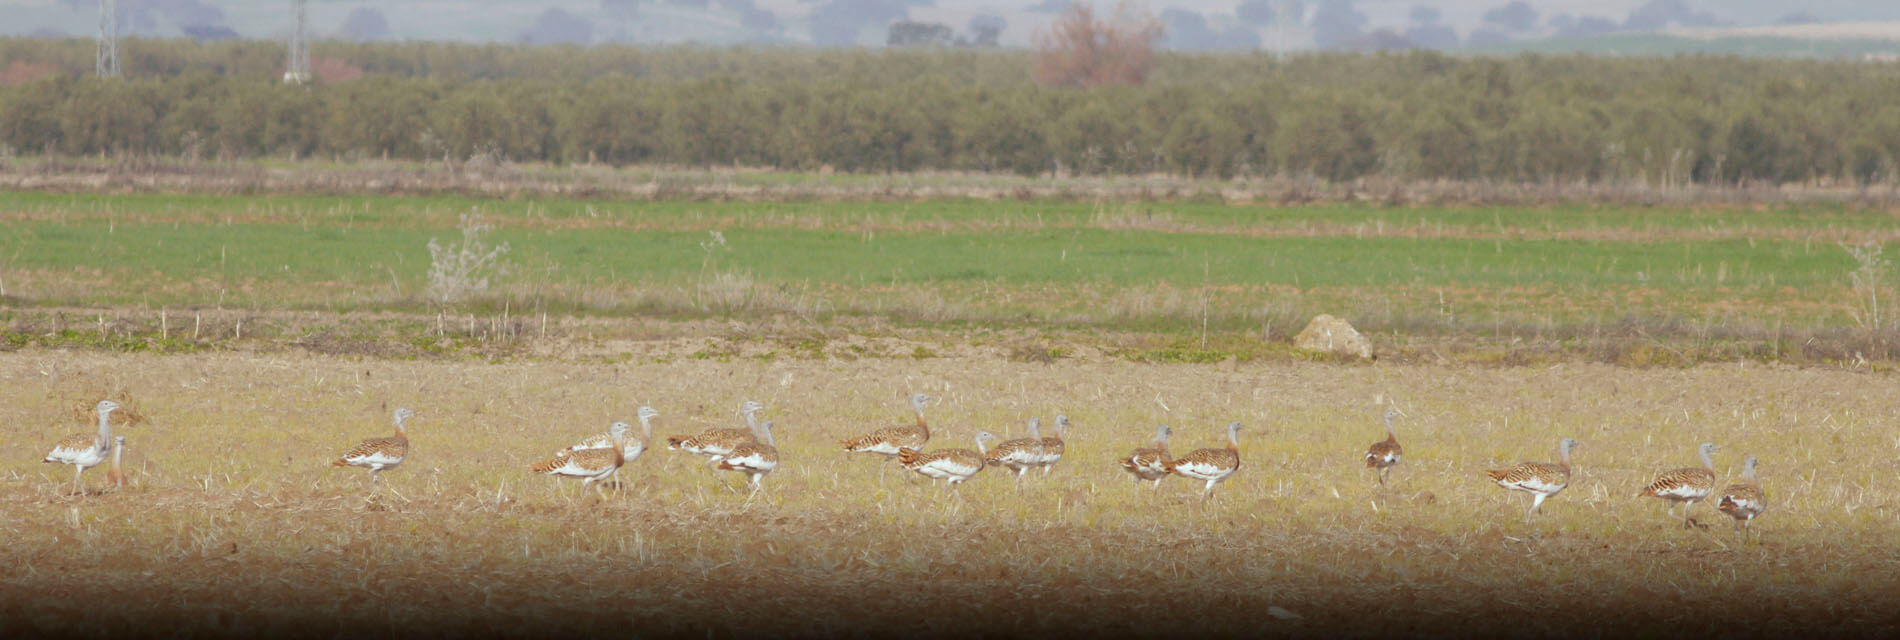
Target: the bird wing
pixel 1684 482
pixel 586 462
pixel 1206 462
pixel 72 445
pixel 377 450
pixel 1742 501
pixel 751 457
pixel 1532 476
pixel 1383 452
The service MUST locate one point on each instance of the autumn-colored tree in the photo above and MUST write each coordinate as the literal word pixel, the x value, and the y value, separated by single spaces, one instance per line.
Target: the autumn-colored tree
pixel 1079 50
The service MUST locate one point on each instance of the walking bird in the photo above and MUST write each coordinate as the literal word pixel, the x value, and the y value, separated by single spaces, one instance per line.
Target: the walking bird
pixel 1212 465
pixel 1385 454
pixel 85 450
pixel 717 443
pixel 115 475
pixel 630 451
pixel 1744 500
pixel 888 440
pixel 377 454
pixel 952 465
pixel 1150 463
pixel 755 459
pixel 1019 454
pixel 1540 479
pixel 590 465
pixel 1052 446
pixel 1685 486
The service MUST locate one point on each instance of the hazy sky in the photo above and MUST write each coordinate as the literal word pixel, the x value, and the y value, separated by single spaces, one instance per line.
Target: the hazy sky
pixel 668 20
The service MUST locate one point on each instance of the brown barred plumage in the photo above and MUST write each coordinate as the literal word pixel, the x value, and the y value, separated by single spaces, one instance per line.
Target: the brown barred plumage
pixel 1150 463
pixel 1687 485
pixel 377 454
pixel 1744 500
pixel 1541 480
pixel 887 441
pixel 1385 454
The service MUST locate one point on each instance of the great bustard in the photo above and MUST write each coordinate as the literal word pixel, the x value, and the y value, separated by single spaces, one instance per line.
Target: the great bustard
pixel 1019 454
pixel 888 440
pixel 1052 446
pixel 951 465
pixel 86 450
pixel 717 443
pixel 377 454
pixel 1211 465
pixel 1685 486
pixel 755 459
pixel 1540 479
pixel 590 465
pixel 115 474
pixel 1150 463
pixel 1744 500
pixel 1385 454
pixel 631 450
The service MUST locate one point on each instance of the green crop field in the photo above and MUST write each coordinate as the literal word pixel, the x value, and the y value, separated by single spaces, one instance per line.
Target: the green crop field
pixel 1040 262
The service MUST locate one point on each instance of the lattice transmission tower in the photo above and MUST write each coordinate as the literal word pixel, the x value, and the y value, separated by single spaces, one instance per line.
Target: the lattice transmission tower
pixel 106 62
pixel 298 69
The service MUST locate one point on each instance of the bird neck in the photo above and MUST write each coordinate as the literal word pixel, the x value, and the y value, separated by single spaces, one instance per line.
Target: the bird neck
pixel 401 433
pixel 980 449
pixel 105 427
pixel 646 429
pixel 1706 462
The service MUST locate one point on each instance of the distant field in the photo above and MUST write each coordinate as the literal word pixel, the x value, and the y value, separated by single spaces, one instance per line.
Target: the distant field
pixel 234 523
pixel 1048 262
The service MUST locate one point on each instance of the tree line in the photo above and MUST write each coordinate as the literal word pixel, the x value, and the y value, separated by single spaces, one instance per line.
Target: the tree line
pixel 1334 117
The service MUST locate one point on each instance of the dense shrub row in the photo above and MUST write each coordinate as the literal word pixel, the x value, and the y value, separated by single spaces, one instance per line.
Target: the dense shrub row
pixel 1418 115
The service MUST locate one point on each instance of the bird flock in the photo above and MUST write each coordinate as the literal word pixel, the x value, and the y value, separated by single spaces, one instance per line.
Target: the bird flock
pixel 753 451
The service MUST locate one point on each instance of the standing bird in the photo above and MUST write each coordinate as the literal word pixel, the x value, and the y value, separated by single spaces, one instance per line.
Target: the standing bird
pixel 717 443
pixel 1540 479
pixel 889 440
pixel 1744 500
pixel 85 450
pixel 590 465
pixel 1212 465
pixel 1019 454
pixel 631 450
pixel 954 465
pixel 377 454
pixel 1687 485
pixel 115 475
pixel 1150 463
pixel 755 459
pixel 1052 446
pixel 1385 454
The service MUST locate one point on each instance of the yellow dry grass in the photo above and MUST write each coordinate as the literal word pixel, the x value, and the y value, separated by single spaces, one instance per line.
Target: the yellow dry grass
pixel 235 523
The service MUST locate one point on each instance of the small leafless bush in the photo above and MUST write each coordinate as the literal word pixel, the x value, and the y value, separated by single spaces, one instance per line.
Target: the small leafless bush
pixel 466 267
pixel 1080 50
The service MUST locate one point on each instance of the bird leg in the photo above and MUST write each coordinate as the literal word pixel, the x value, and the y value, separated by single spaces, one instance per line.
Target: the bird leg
pixel 1537 500
pixel 597 490
pixel 79 489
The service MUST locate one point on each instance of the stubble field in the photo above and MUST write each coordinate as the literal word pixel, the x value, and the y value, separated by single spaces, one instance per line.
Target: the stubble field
pixel 233 522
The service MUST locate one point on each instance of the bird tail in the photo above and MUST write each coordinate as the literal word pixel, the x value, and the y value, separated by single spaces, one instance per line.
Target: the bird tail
pixel 1127 463
pixel 1647 492
pixel 339 462
pixel 854 444
pixel 1371 461
pixel 1497 474
pixel 674 442
pixel 548 465
pixel 907 456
